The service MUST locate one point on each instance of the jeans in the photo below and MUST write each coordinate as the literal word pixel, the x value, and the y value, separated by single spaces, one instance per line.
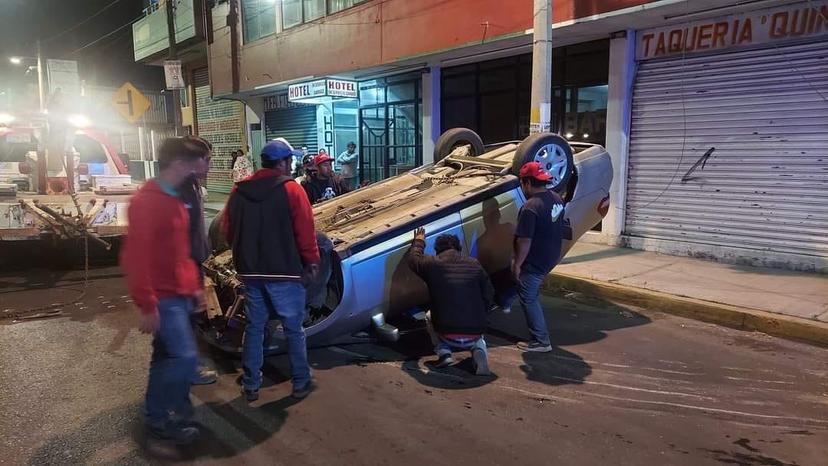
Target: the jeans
pixel 528 291
pixel 282 300
pixel 443 345
pixel 173 363
pixel 448 346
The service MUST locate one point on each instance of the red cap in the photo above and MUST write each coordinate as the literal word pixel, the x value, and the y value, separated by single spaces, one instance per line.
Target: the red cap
pixel 534 170
pixel 322 158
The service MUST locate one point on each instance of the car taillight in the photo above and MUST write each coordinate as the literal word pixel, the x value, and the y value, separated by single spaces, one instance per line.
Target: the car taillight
pixel 24 168
pixel 604 205
pixel 83 169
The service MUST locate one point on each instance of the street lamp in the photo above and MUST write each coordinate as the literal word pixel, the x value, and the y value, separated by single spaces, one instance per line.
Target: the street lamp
pixel 39 60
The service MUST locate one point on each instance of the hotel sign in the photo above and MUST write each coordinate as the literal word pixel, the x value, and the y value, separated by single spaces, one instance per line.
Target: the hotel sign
pixel 337 88
pixel 806 19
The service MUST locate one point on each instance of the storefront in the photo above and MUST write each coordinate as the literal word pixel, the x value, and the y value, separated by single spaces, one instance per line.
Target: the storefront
pixel 729 136
pixel 222 123
pixel 293 121
pixel 390 121
pixel 493 97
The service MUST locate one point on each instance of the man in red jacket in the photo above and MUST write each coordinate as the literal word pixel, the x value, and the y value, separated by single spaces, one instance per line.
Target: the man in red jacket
pixel 269 226
pixel 164 282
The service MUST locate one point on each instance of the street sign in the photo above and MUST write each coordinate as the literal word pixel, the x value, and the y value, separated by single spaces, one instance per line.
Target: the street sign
pixel 130 103
pixel 172 73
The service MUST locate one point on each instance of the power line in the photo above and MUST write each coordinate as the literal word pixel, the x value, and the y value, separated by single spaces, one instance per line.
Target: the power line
pixel 82 22
pixel 109 34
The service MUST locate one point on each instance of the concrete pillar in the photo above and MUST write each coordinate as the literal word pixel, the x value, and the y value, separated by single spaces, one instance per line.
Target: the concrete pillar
pixel 431 112
pixel 619 108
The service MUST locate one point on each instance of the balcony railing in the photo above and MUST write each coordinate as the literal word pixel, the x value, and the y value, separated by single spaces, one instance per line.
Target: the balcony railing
pixel 149 34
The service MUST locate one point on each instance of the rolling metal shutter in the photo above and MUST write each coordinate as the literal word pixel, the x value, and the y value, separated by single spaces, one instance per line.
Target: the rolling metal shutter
pixel 297 125
pixel 765 187
pixel 222 123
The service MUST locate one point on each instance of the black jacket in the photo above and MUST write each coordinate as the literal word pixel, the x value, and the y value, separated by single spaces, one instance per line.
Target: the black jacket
pixel 315 187
pixel 460 292
pixel 191 196
pixel 263 240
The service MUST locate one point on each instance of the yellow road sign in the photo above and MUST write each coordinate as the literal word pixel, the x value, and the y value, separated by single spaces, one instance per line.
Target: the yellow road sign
pixel 130 103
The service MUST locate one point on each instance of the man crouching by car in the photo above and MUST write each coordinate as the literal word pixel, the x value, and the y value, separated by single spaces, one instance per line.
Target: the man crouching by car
pixel 460 295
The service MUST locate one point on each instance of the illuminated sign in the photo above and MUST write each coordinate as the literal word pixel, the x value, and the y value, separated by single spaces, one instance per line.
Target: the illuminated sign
pixel 761 27
pixel 309 91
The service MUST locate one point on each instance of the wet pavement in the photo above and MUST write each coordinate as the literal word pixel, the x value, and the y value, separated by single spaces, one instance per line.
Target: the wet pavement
pixel 623 386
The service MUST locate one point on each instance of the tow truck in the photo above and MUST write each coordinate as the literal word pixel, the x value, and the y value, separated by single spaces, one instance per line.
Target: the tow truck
pixel 67 186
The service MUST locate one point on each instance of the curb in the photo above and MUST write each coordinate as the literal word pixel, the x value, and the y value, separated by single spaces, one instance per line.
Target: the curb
pixel 778 325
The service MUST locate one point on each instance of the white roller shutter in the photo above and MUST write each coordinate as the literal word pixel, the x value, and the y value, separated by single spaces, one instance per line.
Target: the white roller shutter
pixel 765 187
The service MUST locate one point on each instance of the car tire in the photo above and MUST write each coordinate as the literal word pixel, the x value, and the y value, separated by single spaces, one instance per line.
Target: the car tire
pixel 552 152
pixel 454 138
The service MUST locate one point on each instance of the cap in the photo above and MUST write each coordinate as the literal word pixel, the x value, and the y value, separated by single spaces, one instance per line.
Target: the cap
pixel 322 158
pixel 534 170
pixel 278 149
pixel 307 160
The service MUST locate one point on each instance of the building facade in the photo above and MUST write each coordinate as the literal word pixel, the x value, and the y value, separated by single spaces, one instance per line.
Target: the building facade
pixel 659 83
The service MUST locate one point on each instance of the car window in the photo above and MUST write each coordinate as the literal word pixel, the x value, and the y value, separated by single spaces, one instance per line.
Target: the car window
pixel 90 150
pixel 15 146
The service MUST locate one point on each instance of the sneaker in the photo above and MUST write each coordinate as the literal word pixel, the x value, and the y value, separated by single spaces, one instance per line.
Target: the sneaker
pixel 250 395
pixel 534 347
pixel 444 361
pixel 204 376
pixel 180 434
pixel 303 392
pixel 481 362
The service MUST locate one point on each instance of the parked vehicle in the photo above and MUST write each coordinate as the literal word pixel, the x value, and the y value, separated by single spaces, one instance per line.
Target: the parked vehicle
pixel 96 205
pixel 470 192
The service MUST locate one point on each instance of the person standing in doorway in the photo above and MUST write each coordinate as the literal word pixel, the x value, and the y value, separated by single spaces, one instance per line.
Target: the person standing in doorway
pixel 537 250
pixel 163 281
pixel 241 165
pixel 269 225
pixel 349 165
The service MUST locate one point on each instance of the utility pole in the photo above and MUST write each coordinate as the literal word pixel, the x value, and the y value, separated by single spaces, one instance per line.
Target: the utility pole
pixel 40 83
pixel 173 55
pixel 541 108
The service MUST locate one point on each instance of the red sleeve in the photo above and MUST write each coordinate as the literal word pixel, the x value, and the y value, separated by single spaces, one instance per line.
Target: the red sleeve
pixel 301 214
pixel 134 258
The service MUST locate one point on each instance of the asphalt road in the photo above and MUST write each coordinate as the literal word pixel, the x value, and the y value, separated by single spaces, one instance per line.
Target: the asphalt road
pixel 623 386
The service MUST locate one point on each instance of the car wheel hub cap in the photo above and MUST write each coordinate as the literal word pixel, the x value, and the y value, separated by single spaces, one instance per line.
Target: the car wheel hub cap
pixel 552 160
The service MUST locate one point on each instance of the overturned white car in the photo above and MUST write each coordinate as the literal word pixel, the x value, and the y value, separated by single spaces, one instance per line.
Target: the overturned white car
pixel 366 285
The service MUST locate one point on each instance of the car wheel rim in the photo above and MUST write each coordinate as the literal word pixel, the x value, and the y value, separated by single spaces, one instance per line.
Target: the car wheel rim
pixel 552 160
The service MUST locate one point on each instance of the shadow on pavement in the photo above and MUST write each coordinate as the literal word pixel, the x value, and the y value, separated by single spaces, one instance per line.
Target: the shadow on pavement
pixel 118 436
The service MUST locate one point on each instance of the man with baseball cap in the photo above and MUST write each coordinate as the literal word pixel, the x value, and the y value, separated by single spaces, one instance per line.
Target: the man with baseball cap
pixel 325 184
pixel 537 249
pixel 269 225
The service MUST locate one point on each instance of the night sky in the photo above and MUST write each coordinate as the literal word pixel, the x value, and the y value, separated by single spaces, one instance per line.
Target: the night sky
pixel 107 63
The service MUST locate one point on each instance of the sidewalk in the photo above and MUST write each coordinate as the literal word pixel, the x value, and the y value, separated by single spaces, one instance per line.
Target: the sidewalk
pixel 787 304
pixel 215 202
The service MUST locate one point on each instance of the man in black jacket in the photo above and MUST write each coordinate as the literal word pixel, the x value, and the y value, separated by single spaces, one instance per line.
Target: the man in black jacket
pixel 460 294
pixel 324 184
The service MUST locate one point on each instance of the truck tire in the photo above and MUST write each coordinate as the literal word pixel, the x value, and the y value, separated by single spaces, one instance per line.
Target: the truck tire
pixel 455 138
pixel 552 152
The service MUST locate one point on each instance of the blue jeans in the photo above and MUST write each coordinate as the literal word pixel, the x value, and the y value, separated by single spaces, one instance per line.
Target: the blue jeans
pixel 448 346
pixel 282 300
pixel 528 290
pixel 174 361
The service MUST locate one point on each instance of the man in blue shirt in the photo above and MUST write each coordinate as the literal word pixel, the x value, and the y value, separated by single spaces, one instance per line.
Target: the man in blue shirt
pixel 537 250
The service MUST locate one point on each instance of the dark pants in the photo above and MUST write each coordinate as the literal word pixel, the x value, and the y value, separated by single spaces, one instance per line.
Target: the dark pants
pixel 174 361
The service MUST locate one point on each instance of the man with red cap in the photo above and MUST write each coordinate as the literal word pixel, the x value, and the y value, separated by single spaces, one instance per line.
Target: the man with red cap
pixel 325 184
pixel 537 250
